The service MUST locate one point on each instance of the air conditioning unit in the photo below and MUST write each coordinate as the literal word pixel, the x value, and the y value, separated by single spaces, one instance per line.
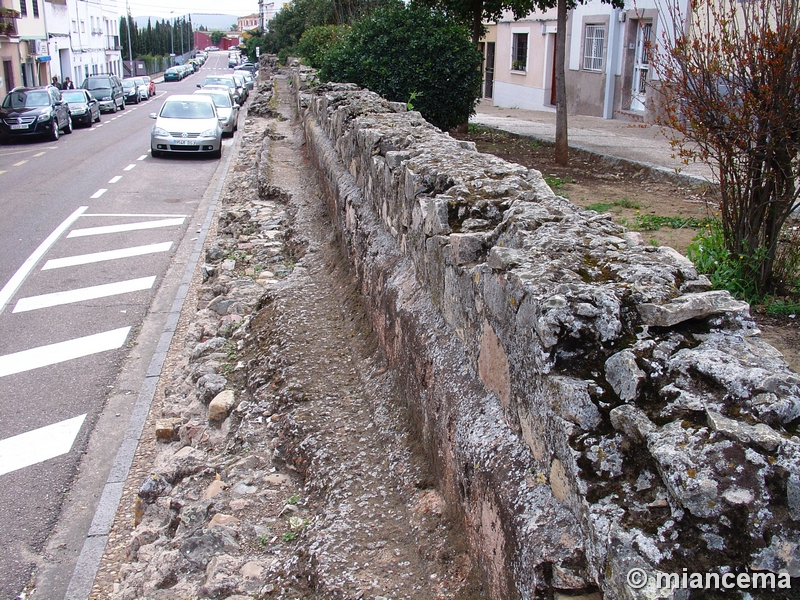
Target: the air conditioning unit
pixel 37 47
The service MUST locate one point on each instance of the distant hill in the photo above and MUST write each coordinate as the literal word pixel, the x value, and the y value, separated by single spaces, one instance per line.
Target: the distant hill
pixel 209 21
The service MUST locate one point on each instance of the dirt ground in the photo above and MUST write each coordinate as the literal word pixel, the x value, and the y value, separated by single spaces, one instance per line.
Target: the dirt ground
pixel 662 209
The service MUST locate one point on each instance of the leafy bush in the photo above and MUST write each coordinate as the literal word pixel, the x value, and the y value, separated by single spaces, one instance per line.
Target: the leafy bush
pixel 402 52
pixel 316 41
pixel 711 256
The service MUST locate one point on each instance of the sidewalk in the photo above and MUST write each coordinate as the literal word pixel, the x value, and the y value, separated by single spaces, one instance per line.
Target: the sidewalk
pixel 636 142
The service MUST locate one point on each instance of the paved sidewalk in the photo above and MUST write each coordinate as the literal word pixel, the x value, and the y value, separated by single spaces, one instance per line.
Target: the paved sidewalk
pixel 637 142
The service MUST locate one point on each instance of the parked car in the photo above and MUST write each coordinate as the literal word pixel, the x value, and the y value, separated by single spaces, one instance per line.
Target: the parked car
pixel 108 91
pixel 227 109
pixel 226 80
pixel 247 66
pixel 34 111
pixel 151 85
pixel 186 124
pixel 248 80
pixel 135 89
pixel 173 74
pixel 83 107
pixel 241 86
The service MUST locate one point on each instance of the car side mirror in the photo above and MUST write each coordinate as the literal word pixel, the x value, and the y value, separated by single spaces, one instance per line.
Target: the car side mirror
pixel 153 116
pixel 200 86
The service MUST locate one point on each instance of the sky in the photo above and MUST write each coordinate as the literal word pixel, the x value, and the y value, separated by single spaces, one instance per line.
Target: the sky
pixel 175 8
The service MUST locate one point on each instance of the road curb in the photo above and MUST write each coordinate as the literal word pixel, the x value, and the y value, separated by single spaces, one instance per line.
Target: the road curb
pixel 83 575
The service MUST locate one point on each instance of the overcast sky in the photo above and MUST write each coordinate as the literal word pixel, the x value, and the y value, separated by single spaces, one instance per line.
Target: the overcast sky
pixel 173 8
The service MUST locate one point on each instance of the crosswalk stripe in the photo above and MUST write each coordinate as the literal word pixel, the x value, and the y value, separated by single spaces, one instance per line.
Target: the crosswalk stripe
pixel 85 259
pixel 43 356
pixel 83 294
pixel 10 288
pixel 154 215
pixel 124 227
pixel 39 445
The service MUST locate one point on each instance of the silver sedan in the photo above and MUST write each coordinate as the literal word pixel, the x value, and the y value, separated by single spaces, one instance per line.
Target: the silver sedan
pixel 186 124
pixel 227 109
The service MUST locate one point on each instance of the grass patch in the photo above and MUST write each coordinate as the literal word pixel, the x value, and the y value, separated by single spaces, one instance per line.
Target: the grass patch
pixel 606 206
pixel 656 222
pixel 556 182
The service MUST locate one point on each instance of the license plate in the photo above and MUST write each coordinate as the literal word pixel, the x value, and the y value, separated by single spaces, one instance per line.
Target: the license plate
pixel 19 126
pixel 184 142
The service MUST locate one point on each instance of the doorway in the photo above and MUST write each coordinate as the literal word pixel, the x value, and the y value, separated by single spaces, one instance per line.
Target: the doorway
pixel 488 84
pixel 641 66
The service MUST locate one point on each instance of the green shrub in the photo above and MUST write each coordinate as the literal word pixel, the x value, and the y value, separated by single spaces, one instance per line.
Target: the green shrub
pixel 402 52
pixel 710 256
pixel 316 41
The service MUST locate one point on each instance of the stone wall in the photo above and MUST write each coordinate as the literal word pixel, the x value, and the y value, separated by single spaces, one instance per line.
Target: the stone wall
pixel 589 404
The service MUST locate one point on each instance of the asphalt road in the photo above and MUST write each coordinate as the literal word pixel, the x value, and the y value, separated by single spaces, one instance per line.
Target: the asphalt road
pixel 89 226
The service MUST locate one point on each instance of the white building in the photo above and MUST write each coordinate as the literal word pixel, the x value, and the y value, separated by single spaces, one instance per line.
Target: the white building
pixel 608 69
pixel 268 9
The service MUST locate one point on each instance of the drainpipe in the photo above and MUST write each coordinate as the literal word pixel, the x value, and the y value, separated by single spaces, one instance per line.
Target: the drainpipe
pixel 614 41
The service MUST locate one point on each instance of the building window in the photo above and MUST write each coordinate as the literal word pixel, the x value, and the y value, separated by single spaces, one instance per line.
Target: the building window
pixel 74 26
pixel 83 26
pixel 519 52
pixel 593 47
pixel 23 8
pixel 35 5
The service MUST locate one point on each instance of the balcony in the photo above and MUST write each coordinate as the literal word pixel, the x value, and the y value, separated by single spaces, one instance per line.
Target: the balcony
pixel 8 22
pixel 112 42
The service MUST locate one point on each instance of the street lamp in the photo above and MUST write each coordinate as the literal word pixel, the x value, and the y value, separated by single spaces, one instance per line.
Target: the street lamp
pixel 172 36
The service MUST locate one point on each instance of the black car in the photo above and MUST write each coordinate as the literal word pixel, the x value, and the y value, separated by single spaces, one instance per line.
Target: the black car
pixel 34 111
pixel 83 107
pixel 107 89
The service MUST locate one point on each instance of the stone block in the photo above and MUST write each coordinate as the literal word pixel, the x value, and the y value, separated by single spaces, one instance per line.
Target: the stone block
pixel 221 406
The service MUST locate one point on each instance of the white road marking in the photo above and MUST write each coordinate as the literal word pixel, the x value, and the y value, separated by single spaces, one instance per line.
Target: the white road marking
pixel 39 445
pixel 98 193
pixel 85 259
pixel 20 163
pixel 115 179
pixel 39 154
pixel 142 157
pixel 1 172
pixel 164 215
pixel 125 227
pixel 83 294
pixel 22 273
pixel 129 167
pixel 43 356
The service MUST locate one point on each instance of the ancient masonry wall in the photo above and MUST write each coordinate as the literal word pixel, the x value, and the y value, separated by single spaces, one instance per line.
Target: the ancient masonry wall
pixel 589 404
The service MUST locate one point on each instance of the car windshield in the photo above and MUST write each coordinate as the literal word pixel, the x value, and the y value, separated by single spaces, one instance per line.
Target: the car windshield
pixel 26 100
pixel 220 100
pixel 218 81
pixel 187 110
pixel 73 96
pixel 138 81
pixel 128 84
pixel 98 84
pixel 172 70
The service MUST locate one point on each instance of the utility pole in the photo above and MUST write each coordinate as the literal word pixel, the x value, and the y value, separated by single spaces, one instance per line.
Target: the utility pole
pixel 128 24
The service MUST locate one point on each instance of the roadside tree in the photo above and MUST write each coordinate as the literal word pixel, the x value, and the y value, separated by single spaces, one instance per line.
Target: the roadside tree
pixel 413 54
pixel 730 85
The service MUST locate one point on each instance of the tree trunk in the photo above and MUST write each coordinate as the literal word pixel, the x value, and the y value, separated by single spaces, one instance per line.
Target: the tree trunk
pixel 477 21
pixel 562 145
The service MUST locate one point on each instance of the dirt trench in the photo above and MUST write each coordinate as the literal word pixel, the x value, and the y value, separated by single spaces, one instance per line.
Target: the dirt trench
pixel 371 523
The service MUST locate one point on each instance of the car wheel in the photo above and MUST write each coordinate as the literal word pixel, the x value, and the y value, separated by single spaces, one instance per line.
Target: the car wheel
pixel 115 109
pixel 123 105
pixel 155 153
pixel 97 118
pixel 55 132
pixel 217 153
pixel 68 128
